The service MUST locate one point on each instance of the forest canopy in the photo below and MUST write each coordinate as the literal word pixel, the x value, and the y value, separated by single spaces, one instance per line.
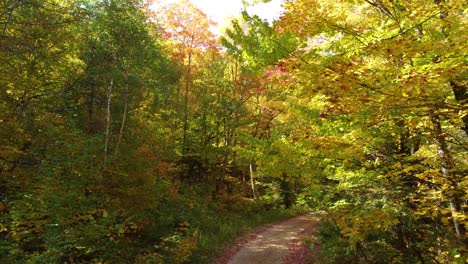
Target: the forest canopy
pixel 133 134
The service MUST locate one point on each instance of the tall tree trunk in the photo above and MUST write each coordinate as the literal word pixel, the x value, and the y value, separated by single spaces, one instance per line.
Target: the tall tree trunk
pixel 124 116
pixel 461 96
pixel 252 183
pixel 90 106
pixel 106 143
pixel 286 191
pixel 404 147
pixel 446 165
pixel 226 154
pixel 187 86
pixel 459 90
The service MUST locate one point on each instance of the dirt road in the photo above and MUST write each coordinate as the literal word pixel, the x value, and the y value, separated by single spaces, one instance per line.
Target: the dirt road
pixel 271 246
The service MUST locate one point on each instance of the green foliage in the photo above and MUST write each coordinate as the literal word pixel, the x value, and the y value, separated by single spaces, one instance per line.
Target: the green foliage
pixel 261 45
pixel 124 139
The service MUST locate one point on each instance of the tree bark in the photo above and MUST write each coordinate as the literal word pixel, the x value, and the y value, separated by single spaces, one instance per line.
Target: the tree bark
pixel 461 96
pixel 252 183
pixel 106 143
pixel 90 105
pixel 187 86
pixel 446 165
pixel 124 116
pixel 460 91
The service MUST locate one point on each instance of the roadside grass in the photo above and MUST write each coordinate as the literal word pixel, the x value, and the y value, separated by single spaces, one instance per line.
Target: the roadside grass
pixel 224 230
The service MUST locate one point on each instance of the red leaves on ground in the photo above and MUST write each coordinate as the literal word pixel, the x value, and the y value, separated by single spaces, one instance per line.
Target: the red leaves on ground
pixel 299 252
pixel 231 250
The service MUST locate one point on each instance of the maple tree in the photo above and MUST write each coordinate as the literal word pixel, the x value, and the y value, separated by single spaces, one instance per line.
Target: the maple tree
pixel 391 66
pixel 373 85
pixel 129 133
pixel 189 30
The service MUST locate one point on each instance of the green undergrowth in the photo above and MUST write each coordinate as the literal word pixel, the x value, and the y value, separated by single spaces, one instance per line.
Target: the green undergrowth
pixel 209 223
pixel 181 224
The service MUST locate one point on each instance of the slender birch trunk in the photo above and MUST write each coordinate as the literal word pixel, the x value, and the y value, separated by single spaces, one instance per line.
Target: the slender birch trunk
pixel 186 101
pixel 446 165
pixel 106 143
pixel 124 116
pixel 252 181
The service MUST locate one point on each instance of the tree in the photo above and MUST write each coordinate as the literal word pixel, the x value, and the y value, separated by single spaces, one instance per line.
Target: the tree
pixel 188 28
pixel 391 61
pixel 63 64
pixel 372 81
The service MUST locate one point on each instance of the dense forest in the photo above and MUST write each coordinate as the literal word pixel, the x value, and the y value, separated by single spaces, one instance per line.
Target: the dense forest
pixel 132 134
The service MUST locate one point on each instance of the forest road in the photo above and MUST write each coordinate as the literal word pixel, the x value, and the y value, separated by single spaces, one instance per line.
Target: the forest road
pixel 271 246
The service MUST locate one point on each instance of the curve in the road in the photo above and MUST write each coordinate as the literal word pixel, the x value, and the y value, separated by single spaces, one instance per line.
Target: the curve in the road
pixel 271 246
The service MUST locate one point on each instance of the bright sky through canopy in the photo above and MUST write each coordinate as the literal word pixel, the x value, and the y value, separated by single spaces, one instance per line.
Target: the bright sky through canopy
pixel 221 10
pixel 218 10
